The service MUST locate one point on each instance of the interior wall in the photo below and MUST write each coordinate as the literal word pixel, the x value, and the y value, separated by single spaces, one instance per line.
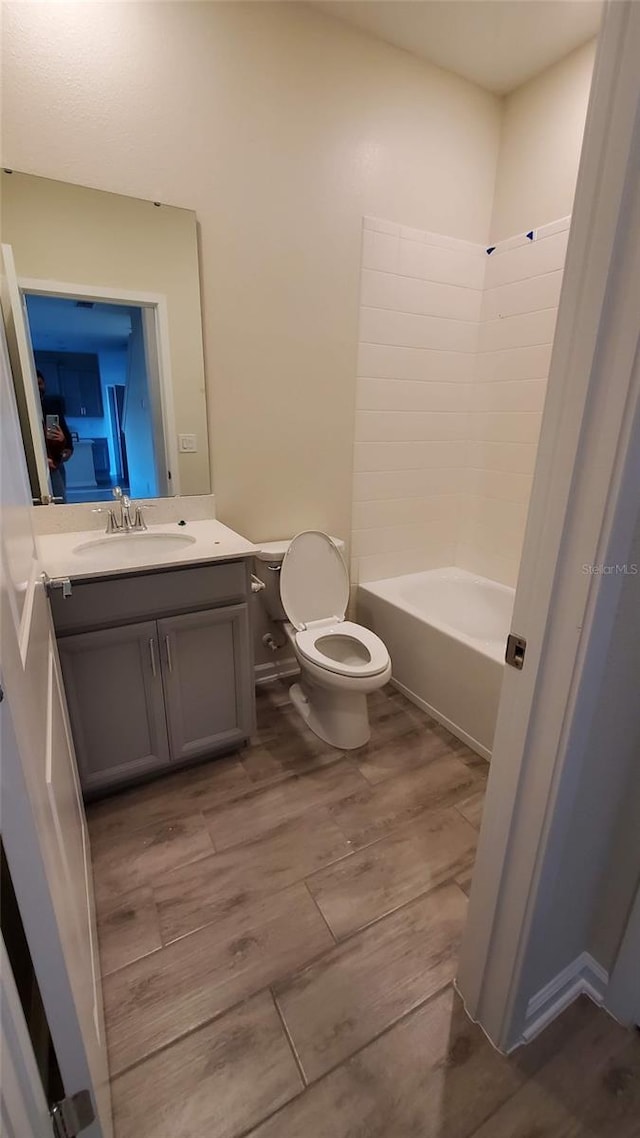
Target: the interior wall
pixel 281 127
pixel 614 756
pixel 542 128
pixel 599 871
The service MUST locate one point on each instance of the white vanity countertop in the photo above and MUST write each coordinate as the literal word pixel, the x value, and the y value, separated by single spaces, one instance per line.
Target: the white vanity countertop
pixel 101 555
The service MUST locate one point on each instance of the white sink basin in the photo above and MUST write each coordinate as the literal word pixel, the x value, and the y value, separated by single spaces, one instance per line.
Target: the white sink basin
pixel 112 549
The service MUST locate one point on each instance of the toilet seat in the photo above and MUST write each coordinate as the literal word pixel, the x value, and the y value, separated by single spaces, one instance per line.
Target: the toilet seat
pixel 314 587
pixel 314 583
pixel 375 657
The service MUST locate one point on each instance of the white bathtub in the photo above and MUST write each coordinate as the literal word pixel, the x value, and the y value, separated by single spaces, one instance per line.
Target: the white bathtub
pixel 446 632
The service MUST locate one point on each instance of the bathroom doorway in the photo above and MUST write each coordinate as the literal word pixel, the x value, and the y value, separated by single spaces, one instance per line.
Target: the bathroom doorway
pixel 96 371
pixel 524 954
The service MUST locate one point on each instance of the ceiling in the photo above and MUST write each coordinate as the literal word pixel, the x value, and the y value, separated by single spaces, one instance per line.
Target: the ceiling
pixel 498 44
pixel 58 324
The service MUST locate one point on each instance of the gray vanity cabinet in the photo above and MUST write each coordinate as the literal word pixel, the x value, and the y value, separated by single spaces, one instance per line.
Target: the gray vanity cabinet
pixel 158 669
pixel 116 703
pixel 205 682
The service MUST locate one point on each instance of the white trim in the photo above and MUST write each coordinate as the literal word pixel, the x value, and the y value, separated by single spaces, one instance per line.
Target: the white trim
pixel 156 301
pixel 276 670
pixel 583 977
pixel 448 723
pixel 26 377
pixel 161 312
pixel 539 234
pixel 422 236
pixel 107 294
pixel 582 511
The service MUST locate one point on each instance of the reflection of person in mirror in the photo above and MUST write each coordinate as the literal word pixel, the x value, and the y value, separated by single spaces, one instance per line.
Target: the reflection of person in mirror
pixel 57 437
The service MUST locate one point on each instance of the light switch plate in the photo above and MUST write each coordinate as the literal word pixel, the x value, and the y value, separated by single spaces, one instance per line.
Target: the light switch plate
pixel 187 443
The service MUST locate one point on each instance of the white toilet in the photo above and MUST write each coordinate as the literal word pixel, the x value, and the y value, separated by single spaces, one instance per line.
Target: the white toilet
pixel 307 587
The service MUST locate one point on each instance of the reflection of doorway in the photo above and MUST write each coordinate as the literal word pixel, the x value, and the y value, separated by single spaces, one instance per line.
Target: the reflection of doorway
pixel 116 408
pixel 85 348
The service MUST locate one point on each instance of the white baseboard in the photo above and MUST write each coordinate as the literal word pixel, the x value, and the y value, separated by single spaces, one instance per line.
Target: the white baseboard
pixel 584 976
pixel 276 670
pixel 452 727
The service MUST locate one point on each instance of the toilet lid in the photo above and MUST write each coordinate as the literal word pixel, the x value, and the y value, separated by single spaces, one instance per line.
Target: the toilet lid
pixel 314 583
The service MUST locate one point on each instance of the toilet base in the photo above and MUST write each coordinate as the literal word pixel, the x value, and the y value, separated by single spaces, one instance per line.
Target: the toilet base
pixel 339 718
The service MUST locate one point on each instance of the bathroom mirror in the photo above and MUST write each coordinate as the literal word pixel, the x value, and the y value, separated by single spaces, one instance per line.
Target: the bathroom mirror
pixel 101 302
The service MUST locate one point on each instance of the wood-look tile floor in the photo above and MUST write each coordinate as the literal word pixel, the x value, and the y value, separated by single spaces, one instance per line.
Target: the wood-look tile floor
pixel 278 935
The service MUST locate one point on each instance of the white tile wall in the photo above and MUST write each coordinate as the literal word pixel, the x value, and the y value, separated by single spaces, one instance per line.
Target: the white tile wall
pixel 517 323
pixel 421 296
pixel 410 426
pixel 406 330
pixel 411 395
pixel 453 360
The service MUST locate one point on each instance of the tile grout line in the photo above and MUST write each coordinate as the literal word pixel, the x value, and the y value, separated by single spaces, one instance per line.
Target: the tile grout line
pixel 309 963
pixel 289 1038
pixel 319 910
pixel 269 988
pixel 338 942
pixel 473 826
pixel 312 962
pixel 344 940
pixel 343 1062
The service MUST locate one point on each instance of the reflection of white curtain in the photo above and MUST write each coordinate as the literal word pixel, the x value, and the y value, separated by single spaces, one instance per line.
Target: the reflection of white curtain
pixel 150 334
pixel 137 421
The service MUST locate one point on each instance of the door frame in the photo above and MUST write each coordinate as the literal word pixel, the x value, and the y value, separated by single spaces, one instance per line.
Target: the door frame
pixel 582 513
pixel 154 303
pixel 25 381
pixel 623 991
pixel 40 801
pixel 24 1107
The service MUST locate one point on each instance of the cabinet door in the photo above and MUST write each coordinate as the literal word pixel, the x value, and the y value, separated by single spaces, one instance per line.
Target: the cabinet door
pixel 90 388
pixel 116 704
pixel 208 681
pixel 76 377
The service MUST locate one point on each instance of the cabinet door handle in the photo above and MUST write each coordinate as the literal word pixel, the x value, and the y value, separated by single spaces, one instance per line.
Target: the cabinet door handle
pixel 152 653
pixel 167 645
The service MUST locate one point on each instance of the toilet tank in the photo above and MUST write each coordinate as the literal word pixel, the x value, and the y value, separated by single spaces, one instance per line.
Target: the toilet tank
pixel 267 565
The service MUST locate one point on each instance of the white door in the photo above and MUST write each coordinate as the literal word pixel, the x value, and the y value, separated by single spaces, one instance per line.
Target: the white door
pixel 24 371
pixel 43 823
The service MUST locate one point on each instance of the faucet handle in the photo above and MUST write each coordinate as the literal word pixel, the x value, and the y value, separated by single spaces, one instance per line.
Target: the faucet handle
pixel 116 492
pixel 139 522
pixel 113 524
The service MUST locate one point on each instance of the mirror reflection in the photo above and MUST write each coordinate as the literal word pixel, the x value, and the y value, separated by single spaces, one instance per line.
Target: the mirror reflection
pixel 101 302
pixel 96 387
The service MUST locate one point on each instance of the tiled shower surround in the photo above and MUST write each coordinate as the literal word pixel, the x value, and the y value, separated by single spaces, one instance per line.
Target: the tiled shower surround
pixel 454 353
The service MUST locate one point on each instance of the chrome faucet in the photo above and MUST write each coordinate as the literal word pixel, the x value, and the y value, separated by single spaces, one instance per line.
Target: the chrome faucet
pixel 124 523
pixel 124 502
